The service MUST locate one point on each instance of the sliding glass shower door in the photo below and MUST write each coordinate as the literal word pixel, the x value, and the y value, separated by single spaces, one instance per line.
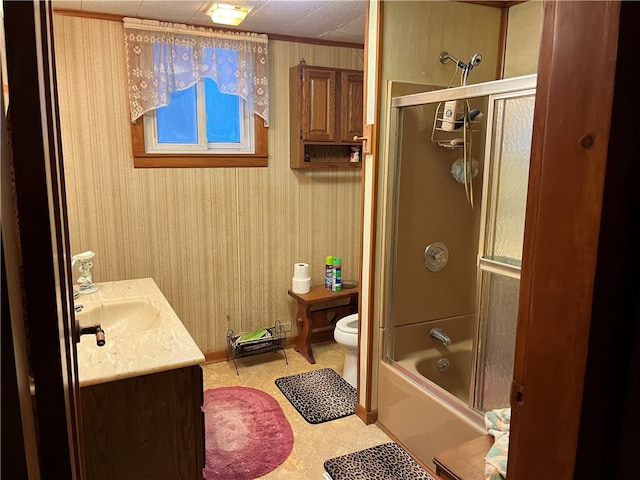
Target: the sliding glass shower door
pixel 500 248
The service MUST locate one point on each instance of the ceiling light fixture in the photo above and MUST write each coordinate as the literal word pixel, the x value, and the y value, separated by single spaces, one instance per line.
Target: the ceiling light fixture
pixel 228 14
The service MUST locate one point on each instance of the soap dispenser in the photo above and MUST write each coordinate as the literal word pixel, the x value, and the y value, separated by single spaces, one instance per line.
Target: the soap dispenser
pixel 85 280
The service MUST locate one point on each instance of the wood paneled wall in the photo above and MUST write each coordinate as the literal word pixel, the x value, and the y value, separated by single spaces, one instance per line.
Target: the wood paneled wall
pixel 219 242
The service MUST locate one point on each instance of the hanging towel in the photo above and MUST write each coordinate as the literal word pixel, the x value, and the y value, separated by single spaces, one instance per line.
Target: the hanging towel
pixel 497 423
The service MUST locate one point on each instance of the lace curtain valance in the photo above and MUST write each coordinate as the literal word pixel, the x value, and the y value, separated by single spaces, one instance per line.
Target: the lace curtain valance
pixel 165 57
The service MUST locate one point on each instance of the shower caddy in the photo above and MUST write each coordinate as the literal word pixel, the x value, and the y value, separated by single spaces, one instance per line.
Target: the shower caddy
pixel 454 123
pixel 276 340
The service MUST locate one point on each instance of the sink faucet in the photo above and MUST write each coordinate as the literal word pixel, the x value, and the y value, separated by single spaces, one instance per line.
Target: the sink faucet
pixel 438 334
pixel 90 330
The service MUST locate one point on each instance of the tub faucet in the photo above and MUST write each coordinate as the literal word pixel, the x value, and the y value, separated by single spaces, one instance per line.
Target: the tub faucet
pixel 438 334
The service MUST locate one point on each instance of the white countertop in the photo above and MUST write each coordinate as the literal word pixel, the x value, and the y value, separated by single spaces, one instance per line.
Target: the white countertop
pixel 167 347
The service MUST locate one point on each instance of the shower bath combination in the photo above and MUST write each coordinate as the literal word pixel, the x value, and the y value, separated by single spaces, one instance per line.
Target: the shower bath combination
pixel 453 118
pixel 450 326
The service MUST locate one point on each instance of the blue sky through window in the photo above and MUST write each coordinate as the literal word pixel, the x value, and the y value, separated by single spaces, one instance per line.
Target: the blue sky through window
pixel 223 112
pixel 178 121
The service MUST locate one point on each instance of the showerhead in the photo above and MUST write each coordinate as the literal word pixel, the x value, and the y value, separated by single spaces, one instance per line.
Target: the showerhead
pixel 476 58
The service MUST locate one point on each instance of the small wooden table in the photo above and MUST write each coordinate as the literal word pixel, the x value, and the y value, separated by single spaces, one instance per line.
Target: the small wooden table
pixel 319 308
pixel 464 462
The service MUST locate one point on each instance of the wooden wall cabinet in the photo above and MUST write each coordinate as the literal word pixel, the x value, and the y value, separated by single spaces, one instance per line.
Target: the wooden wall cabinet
pixel 326 106
pixel 351 105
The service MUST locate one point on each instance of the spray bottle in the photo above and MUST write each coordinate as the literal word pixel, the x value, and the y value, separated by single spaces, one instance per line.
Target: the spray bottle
pixel 328 272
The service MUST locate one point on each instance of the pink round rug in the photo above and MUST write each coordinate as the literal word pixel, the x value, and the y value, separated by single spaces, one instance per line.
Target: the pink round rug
pixel 247 434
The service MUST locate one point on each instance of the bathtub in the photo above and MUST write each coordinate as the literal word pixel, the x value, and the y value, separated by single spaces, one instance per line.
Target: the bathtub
pixel 448 367
pixel 421 419
pixel 427 410
pixel 426 359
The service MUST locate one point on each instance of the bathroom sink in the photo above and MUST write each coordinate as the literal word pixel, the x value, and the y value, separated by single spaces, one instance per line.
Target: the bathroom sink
pixel 121 318
pixel 143 333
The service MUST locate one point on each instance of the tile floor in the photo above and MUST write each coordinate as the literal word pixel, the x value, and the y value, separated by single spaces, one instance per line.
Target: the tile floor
pixel 313 444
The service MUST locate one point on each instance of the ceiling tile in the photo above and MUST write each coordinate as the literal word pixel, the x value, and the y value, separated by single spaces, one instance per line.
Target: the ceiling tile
pixel 339 36
pixel 322 20
pixel 175 12
pixel 301 8
pixel 355 26
pixel 115 8
pixel 333 20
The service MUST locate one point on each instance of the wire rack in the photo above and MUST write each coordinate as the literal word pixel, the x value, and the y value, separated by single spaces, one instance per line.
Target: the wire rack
pixel 275 339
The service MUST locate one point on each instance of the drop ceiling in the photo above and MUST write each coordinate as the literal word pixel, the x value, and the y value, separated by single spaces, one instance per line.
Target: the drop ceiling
pixel 341 21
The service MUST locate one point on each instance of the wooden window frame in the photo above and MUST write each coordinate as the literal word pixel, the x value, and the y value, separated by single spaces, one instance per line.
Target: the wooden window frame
pixel 142 159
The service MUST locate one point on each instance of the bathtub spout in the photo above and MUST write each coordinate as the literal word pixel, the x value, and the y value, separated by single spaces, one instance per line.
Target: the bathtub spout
pixel 438 334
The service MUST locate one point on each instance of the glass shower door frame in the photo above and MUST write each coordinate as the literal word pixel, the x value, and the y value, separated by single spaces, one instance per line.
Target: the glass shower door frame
pixel 490 266
pixel 396 105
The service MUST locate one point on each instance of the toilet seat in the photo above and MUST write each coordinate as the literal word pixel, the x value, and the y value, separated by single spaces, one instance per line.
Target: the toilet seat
pixel 348 324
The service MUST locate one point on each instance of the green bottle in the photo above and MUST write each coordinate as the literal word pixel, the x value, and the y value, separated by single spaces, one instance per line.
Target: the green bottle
pixel 336 285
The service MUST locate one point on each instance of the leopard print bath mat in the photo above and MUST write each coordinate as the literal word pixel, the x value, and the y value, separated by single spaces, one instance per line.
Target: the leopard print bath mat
pixel 319 395
pixel 388 461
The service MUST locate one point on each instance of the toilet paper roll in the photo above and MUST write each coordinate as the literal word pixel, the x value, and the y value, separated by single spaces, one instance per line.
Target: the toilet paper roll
pixel 301 271
pixel 299 285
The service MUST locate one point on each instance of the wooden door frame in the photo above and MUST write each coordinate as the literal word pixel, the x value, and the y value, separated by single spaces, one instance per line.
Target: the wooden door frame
pixel 576 291
pixel 547 437
pixel 43 237
pixel 366 405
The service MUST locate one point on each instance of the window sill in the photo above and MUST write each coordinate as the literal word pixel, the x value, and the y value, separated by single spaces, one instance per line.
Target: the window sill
pixel 198 161
pixel 141 159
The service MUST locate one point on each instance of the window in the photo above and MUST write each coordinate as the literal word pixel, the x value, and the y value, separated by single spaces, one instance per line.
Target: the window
pixel 200 119
pixel 168 159
pixel 198 98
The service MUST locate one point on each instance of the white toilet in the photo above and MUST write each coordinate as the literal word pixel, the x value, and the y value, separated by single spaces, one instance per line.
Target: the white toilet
pixel 346 334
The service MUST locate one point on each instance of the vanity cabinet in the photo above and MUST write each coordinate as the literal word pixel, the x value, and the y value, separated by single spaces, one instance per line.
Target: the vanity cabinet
pixel 325 107
pixel 150 426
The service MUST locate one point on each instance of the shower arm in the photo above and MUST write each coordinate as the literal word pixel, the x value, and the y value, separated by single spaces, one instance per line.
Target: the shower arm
pixel 475 60
pixel 446 57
